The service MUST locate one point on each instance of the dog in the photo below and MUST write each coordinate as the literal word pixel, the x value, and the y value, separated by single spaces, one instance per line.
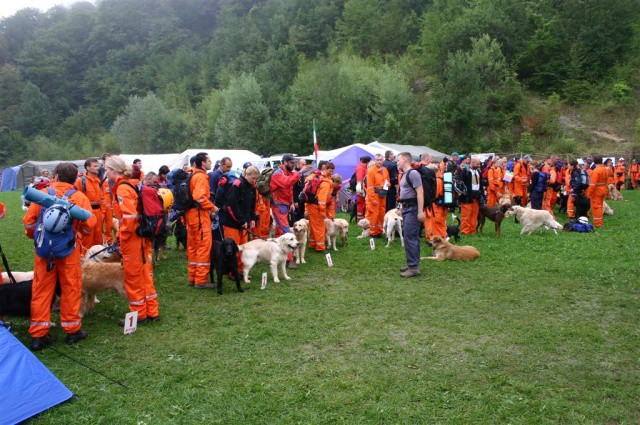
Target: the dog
pixel 505 199
pixel 101 271
pixel 179 231
pixel 392 223
pixel 615 194
pixel 224 259
pixel 606 209
pixel 274 251
pixel 353 210
pixel 563 202
pixel 330 234
pixel 343 229
pixel 454 231
pixel 533 219
pixel 15 299
pixel 159 242
pixel 301 230
pixel 18 276
pixel 445 250
pixel 492 213
pixel 365 226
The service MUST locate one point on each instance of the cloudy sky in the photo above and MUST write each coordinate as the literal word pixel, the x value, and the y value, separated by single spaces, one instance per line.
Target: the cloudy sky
pixel 9 7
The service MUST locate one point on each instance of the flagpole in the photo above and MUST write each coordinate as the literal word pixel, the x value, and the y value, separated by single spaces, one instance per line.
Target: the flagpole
pixel 315 141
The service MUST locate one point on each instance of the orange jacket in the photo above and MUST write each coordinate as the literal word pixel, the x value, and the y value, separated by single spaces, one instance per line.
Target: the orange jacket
pixel 621 170
pixel 634 168
pixel 91 187
pixel 126 205
pixel 599 181
pixel 495 176
pixel 200 192
pixel 324 195
pixel 78 198
pixel 375 180
pixel 521 173
pixel 3 210
pixel 611 179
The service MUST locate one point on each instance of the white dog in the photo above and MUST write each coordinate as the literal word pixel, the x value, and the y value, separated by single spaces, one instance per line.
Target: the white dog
pixel 274 251
pixel 392 223
pixel 615 194
pixel 301 230
pixel 533 219
pixel 343 228
pixel 365 226
pixel 330 234
pixel 606 209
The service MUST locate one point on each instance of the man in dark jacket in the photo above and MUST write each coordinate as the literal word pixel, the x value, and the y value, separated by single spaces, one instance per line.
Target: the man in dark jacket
pixel 392 168
pixel 215 175
pixel 471 196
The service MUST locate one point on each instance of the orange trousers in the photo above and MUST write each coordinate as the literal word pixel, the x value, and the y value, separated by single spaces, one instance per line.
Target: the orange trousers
pixel 492 198
pixel 138 275
pixel 69 272
pixel 264 223
pixel 520 189
pixel 547 201
pixel 240 237
pixel 435 222
pixel 634 179
pixel 199 242
pixel 597 209
pixel 469 217
pixel 108 225
pixel 96 235
pixel 316 228
pixel 571 208
pixel 376 209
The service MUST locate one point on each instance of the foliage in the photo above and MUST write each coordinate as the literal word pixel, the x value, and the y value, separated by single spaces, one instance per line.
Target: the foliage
pixel 621 91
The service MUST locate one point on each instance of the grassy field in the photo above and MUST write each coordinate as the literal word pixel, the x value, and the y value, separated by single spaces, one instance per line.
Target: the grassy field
pixel 539 329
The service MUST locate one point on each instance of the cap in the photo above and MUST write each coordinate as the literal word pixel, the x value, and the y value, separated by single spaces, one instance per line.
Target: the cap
pixel 455 154
pixel 527 157
pixel 287 157
pixel 621 159
pixel 246 165
pixel 583 220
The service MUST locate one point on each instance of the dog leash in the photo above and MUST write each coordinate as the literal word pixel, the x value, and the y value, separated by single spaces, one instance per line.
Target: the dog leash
pixel 90 368
pixel 5 262
pixel 256 236
pixel 109 248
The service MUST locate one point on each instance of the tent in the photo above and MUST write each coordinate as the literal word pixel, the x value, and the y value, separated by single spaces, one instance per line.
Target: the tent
pixel 8 179
pixel 347 160
pixel 153 162
pixel 238 157
pixel 28 387
pixel 414 150
pixel 31 169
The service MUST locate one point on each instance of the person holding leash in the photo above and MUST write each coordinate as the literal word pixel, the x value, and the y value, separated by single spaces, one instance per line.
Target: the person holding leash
pixel 412 201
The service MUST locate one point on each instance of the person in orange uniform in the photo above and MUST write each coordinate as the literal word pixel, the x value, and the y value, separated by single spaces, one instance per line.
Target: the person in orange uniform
pixel 361 173
pixel 620 174
pixel 67 271
pixel 135 251
pixel 496 185
pixel 336 185
pixel 376 204
pixel 107 210
pixel 263 211
pixel 318 211
pixel 549 194
pixel 470 201
pixel 571 209
pixel 90 185
pixel 238 216
pixel 634 173
pixel 611 174
pixel 199 238
pixel 435 216
pixel 598 190
pixel 521 177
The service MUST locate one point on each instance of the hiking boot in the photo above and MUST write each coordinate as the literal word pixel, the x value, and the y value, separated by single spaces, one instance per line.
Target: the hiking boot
pixel 140 322
pixel 208 285
pixel 153 319
pixel 191 283
pixel 291 265
pixel 78 336
pixel 404 269
pixel 38 344
pixel 410 272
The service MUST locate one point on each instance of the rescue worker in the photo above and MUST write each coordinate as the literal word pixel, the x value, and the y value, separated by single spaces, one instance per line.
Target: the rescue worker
pixel 199 237
pixel 90 185
pixel 578 204
pixel 495 187
pixel 361 174
pixel 163 172
pixel 548 200
pixel 336 185
pixel 521 177
pixel 298 208
pixel 318 211
pixel 634 173
pixel 214 177
pixel 611 174
pixel 107 209
pixel 377 186
pixel 411 197
pixel 67 271
pixel 470 201
pixel 282 181
pixel 621 174
pixel 135 250
pixel 439 222
pixel 392 168
pixel 538 186
pixel 238 217
pixel 598 190
pixel 568 187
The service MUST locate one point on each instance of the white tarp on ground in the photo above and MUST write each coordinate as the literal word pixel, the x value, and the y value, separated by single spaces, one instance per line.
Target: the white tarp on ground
pixel 238 157
pixel 153 162
pixel 414 150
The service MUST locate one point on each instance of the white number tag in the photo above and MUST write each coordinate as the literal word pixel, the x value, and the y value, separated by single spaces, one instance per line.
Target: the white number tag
pixel 130 322
pixel 329 260
pixel 372 242
pixel 264 280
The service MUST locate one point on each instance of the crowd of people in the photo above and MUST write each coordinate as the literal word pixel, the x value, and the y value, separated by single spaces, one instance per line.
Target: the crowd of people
pixel 223 203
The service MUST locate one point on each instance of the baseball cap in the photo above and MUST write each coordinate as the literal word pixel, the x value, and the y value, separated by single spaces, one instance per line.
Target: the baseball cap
pixel 287 157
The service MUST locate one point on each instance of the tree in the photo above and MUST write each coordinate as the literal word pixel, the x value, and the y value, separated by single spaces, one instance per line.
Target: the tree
pixel 35 114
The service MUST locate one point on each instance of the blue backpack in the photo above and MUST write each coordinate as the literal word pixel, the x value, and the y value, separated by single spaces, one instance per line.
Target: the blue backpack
pixel 224 184
pixel 54 236
pixel 543 180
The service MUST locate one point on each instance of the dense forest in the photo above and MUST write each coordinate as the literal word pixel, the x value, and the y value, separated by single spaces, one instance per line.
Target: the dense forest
pixel 143 76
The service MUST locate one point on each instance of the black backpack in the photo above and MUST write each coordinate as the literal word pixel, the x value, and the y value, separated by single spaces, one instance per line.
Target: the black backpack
pixel 429 184
pixel 353 183
pixel 181 188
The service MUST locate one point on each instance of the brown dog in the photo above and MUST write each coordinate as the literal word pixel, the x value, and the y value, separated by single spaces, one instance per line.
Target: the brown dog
pixel 444 250
pixel 101 271
pixel 492 213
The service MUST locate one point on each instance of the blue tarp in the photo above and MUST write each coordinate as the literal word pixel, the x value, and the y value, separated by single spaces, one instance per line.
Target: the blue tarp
pixel 9 179
pixel 27 387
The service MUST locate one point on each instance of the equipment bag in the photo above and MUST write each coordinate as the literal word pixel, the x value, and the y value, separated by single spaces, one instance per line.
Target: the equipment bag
pixel 447 180
pixel 310 191
pixel 224 184
pixel 429 184
pixel 584 179
pixel 263 184
pixel 180 185
pixel 543 182
pixel 151 220
pixel 54 236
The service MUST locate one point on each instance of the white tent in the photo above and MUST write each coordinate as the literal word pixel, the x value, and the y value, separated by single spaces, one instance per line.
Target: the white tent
pixel 329 155
pixel 414 150
pixel 153 162
pixel 238 157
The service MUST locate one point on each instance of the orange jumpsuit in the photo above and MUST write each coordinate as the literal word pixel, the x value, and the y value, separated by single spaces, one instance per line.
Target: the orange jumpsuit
pixel 550 193
pixel 376 206
pixel 91 187
pixel 634 174
pixel 199 237
pixel 620 175
pixel 496 185
pixel 571 209
pixel 521 176
pixel 435 218
pixel 66 270
pixel 361 173
pixel 263 211
pixel 107 212
pixel 136 253
pixel 317 213
pixel 598 190
pixel 611 175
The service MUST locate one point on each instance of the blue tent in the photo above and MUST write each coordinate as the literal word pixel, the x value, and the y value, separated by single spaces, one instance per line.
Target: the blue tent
pixel 9 179
pixel 28 387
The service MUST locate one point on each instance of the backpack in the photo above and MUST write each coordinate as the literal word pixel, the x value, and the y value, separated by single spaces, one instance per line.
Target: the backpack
pixel 54 236
pixel 225 182
pixel 353 183
pixel 180 185
pixel 263 184
pixel 310 191
pixel 584 179
pixel 151 221
pixel 429 184
pixel 543 180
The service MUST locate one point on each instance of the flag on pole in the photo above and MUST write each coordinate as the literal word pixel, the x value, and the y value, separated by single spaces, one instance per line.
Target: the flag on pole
pixel 315 140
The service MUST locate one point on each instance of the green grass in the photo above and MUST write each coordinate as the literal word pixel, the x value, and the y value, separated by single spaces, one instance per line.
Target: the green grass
pixel 539 329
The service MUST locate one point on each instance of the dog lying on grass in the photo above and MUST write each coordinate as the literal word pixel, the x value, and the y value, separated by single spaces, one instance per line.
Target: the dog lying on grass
pixel 445 250
pixel 366 228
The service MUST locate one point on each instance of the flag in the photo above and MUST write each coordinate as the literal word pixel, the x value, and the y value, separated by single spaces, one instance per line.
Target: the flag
pixel 315 141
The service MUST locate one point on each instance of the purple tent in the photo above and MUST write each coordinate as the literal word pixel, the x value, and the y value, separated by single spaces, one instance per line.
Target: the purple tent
pixel 347 160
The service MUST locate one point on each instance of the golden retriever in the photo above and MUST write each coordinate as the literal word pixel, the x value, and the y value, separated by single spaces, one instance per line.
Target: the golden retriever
pixel 606 209
pixel 101 271
pixel 533 219
pixel 615 194
pixel 392 223
pixel 301 229
pixel 343 228
pixel 366 228
pixel 445 250
pixel 274 251
pixel 330 234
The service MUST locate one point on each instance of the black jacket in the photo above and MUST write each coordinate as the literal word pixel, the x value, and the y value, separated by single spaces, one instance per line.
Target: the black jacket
pixel 240 206
pixel 464 175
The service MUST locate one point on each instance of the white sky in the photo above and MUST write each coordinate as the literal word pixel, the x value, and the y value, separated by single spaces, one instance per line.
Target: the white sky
pixel 9 7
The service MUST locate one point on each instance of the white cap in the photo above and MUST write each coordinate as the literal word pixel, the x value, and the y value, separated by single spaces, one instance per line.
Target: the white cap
pixel 583 220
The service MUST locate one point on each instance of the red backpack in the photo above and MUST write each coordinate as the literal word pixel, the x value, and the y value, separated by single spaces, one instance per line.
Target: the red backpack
pixel 309 193
pixel 151 213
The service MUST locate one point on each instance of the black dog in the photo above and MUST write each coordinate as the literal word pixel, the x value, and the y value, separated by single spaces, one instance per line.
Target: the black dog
pixel 352 207
pixel 224 259
pixel 562 202
pixel 492 213
pixel 454 231
pixel 180 233
pixel 15 299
